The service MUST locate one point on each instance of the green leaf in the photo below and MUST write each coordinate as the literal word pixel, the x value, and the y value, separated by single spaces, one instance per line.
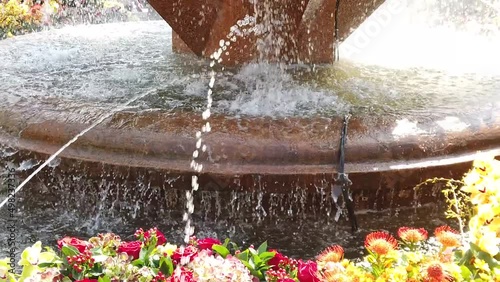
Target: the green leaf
pixel 466 273
pixel 465 259
pixel 77 275
pixel 262 248
pixel 245 263
pixel 257 274
pixel 104 279
pixel 221 250
pixel 257 260
pixel 46 264
pixel 69 250
pixel 253 251
pixel 166 266
pixel 143 255
pixel 251 262
pixel 234 246
pixel 138 263
pixel 97 251
pixel 243 256
pixel 266 256
pixel 226 243
pixel 488 259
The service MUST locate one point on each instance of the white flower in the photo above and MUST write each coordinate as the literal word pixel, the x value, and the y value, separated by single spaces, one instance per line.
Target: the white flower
pixel 210 268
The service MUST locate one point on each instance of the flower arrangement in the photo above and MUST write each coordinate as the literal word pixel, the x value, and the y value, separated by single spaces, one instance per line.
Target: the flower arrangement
pixel 23 16
pixel 447 256
pixel 17 18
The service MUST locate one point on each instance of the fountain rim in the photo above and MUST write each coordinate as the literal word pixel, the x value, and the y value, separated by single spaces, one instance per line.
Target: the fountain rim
pixel 166 141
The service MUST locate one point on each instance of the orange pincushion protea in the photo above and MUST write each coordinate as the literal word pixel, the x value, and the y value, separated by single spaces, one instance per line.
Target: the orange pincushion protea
pixel 412 235
pixel 380 243
pixel 436 273
pixel 334 253
pixel 447 236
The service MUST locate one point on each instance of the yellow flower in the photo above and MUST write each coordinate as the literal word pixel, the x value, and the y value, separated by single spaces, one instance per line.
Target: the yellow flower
pixel 413 257
pixel 485 213
pixel 32 256
pixel 481 265
pixel 5 275
pixel 489 243
pixel 398 274
pixel 167 249
pixel 496 273
pixel 494 225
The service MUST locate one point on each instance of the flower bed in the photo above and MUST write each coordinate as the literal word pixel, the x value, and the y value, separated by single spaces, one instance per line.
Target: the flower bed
pixel 18 18
pixel 449 255
pixel 23 16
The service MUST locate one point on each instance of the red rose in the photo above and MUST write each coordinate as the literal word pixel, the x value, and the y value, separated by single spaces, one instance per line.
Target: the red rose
pixel 159 236
pixel 307 271
pixel 285 280
pixel 132 249
pixel 277 259
pixel 87 280
pixel 181 275
pixel 207 243
pixel 74 242
pixel 189 252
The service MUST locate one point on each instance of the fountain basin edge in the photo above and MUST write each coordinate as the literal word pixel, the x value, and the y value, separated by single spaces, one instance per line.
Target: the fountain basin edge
pixel 285 154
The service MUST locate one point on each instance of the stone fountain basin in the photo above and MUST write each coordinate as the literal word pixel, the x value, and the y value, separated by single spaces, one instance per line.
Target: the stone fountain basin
pixel 384 155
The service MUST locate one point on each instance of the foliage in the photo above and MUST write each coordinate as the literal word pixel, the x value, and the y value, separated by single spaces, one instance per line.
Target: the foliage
pixel 18 18
pixel 415 257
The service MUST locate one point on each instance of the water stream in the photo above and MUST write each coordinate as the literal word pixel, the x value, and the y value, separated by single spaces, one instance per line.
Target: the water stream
pixel 76 73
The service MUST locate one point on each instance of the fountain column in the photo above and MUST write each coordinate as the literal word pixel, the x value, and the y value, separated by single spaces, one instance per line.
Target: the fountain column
pixel 292 30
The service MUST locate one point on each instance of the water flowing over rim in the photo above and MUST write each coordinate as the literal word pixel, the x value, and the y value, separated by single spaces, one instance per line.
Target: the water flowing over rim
pixel 258 145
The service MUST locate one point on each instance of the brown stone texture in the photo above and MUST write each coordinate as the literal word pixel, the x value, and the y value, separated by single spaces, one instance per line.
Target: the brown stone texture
pixel 301 30
pixel 277 155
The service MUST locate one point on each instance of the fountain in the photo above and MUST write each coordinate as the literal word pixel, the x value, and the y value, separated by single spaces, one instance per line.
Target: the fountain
pixel 273 149
pixel 302 31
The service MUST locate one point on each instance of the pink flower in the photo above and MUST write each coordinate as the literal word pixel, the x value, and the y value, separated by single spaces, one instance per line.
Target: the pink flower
pixel 74 242
pixel 132 249
pixel 285 280
pixel 181 275
pixel 207 243
pixel 307 271
pixel 87 280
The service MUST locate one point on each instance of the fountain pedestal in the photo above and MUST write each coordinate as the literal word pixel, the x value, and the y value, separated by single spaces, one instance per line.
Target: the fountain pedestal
pixel 295 31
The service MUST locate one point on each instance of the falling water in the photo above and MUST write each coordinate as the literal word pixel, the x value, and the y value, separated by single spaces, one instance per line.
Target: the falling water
pixel 455 36
pixel 56 154
pixel 216 57
pixel 272 208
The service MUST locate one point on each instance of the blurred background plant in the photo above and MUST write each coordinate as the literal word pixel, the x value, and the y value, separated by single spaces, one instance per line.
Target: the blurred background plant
pixel 22 16
pixel 18 18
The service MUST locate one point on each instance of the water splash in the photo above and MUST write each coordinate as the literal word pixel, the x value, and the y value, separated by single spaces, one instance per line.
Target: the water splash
pixel 216 57
pixel 456 36
pixel 56 154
